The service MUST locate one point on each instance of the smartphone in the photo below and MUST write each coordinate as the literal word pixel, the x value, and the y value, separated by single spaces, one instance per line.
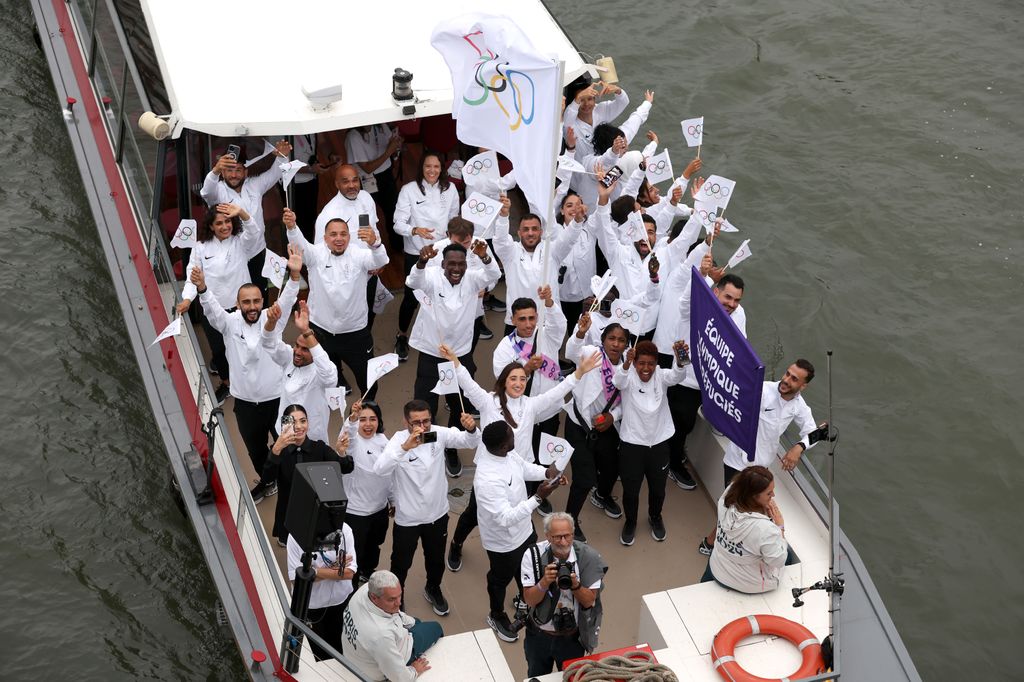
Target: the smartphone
pixel 611 176
pixel 606 307
pixel 682 357
pixel 820 433
pixel 428 437
pixel 364 220
pixel 234 151
pixel 287 420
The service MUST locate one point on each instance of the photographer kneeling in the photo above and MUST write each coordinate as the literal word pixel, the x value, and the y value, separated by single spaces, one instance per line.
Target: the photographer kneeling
pixel 562 582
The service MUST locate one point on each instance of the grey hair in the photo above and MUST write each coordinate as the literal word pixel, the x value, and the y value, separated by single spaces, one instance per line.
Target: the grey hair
pixel 380 581
pixel 558 516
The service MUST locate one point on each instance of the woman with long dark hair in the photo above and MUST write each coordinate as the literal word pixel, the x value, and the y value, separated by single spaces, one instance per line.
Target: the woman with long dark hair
pixel 508 403
pixel 424 208
pixel 369 493
pixel 750 540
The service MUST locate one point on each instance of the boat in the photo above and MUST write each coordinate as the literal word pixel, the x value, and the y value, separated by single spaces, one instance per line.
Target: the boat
pixel 114 61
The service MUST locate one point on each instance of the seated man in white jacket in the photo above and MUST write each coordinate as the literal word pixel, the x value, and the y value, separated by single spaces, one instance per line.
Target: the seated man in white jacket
pixel 384 642
pixel 504 512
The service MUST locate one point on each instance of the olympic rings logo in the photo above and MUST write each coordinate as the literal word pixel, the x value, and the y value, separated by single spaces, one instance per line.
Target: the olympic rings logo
pixel 477 206
pixel 477 167
pixel 658 167
pixel 381 296
pixel 184 232
pixel 556 448
pixel 694 131
pixel 501 81
pixel 276 267
pixel 707 216
pixel 384 368
pixel 628 314
pixel 446 376
pixel 715 190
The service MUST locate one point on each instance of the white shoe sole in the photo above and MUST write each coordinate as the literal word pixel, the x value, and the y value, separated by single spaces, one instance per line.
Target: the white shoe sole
pixel 498 633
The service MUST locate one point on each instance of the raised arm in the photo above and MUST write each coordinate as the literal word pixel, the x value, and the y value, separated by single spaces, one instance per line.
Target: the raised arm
pixel 217 316
pixel 270 338
pixel 503 245
pixel 632 124
pixel 290 292
pixel 265 180
pixel 295 238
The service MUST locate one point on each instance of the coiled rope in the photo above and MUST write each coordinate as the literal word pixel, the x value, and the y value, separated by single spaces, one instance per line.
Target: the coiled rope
pixel 636 666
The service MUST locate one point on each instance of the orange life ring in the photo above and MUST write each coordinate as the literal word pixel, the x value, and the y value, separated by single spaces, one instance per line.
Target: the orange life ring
pixel 724 647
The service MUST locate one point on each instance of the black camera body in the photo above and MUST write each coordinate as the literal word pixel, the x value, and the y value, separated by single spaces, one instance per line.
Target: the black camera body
pixel 564 620
pixel 564 576
pixel 561 274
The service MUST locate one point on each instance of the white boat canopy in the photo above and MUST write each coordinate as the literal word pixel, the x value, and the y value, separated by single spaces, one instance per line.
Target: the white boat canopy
pixel 239 67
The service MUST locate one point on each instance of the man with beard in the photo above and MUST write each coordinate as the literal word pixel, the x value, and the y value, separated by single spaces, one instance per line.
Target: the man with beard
pixel 449 296
pixel 306 369
pixel 229 183
pixel 255 377
pixel 338 276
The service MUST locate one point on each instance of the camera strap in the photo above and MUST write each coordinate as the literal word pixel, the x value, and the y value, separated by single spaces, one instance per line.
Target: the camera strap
pixel 538 568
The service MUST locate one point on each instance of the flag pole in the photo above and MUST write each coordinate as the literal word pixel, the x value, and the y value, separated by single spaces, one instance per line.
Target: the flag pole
pixel 556 146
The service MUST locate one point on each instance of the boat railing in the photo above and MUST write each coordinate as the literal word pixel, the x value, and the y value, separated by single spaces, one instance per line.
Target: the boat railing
pixel 122 97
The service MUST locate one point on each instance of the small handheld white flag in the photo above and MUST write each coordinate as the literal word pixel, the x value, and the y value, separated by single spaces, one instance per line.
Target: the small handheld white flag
pixel 741 254
pixel 335 398
pixel 693 131
pixel 480 210
pixel 267 150
pixel 728 227
pixel 274 268
pixel 631 316
pixel 185 236
pixel 554 450
pixel 600 286
pixel 717 190
pixel 480 168
pixel 381 298
pixel 288 171
pixel 447 381
pixel 659 168
pixel 455 169
pixel 570 164
pixel 635 228
pixel 378 367
pixel 173 329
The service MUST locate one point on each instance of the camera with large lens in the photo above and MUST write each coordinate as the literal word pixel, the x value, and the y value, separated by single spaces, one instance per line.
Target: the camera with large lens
pixel 522 612
pixel 564 620
pixel 564 577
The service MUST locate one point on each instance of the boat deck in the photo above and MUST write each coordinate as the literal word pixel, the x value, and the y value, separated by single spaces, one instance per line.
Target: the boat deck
pixel 646 567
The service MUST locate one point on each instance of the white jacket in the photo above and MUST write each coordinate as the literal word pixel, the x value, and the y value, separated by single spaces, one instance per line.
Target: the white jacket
pixel 749 552
pixel 378 642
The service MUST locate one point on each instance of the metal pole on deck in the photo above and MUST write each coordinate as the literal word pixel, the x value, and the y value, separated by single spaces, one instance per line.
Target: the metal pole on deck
pixel 833 530
pixel 556 146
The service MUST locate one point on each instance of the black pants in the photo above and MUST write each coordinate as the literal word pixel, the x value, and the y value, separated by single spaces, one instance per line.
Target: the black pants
pixel 572 311
pixel 218 353
pixel 304 198
pixel 369 533
pixel 544 651
pixel 637 462
pixel 426 379
pixel 683 403
pixel 594 463
pixel 386 197
pixel 352 348
pixel 504 569
pixel 327 622
pixel 371 296
pixel 409 302
pixel 467 521
pixel 257 423
pixel 434 537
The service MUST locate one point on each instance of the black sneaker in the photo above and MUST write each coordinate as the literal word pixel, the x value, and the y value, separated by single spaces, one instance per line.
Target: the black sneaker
pixel 704 547
pixel 628 534
pixel 578 535
pixel 454 557
pixel 682 478
pixel 494 303
pixel 483 332
pixel 657 528
pixel 545 508
pixel 223 391
pixel 261 490
pixel 436 599
pixel 452 463
pixel 610 506
pixel 502 627
pixel 402 347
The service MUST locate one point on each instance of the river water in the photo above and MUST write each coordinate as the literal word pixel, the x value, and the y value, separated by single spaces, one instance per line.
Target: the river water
pixel 876 146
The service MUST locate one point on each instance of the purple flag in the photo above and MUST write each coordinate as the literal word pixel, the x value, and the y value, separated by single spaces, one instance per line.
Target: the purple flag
pixel 728 371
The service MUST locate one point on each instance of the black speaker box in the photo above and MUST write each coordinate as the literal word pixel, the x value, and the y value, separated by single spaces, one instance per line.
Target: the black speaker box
pixel 317 503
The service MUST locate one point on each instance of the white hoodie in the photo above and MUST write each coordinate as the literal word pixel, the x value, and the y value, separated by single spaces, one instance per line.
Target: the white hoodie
pixel 749 552
pixel 379 643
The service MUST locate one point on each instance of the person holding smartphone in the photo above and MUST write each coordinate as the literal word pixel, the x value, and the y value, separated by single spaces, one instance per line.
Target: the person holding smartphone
pixel 293 446
pixel 415 458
